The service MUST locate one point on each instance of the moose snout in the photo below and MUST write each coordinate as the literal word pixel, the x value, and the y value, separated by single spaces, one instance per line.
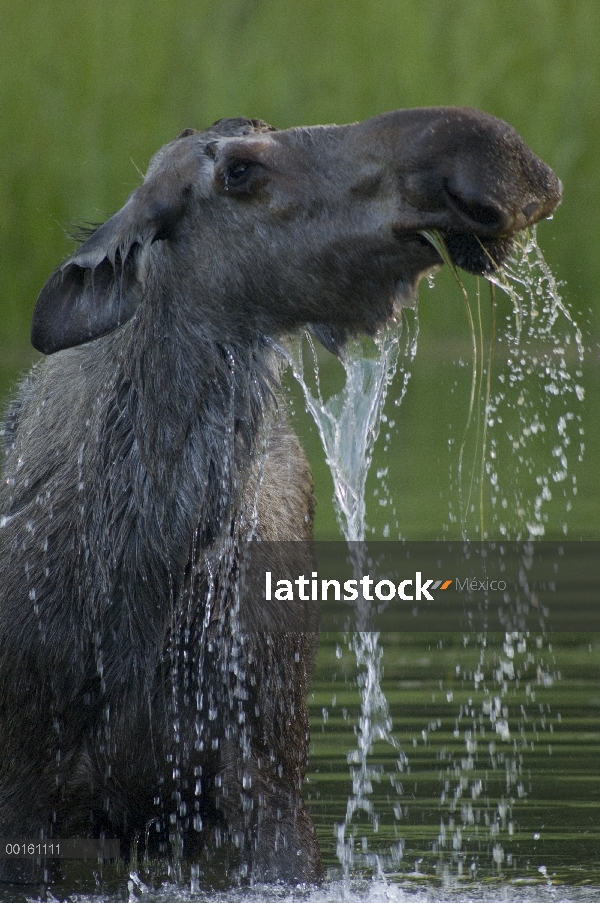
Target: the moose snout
pixel 491 202
pixel 462 170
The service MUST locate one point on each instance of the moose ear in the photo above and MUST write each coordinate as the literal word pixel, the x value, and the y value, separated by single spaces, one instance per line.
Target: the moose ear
pixel 100 286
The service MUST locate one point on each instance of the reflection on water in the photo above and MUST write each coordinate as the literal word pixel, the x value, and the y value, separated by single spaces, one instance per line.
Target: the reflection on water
pixel 502 743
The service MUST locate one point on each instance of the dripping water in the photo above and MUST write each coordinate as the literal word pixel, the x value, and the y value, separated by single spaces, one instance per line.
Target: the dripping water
pixel 539 396
pixel 525 429
pixel 348 424
pixel 524 400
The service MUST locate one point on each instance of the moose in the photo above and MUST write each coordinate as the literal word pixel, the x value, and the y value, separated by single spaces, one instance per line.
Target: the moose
pixel 150 446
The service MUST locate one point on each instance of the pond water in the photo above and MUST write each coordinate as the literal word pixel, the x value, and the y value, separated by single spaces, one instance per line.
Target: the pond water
pixel 351 891
pixel 378 890
pixel 472 803
pixel 475 814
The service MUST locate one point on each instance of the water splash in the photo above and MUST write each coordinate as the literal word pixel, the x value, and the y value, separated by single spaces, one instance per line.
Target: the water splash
pixel 505 715
pixel 524 413
pixel 520 432
pixel 518 435
pixel 348 423
pixel 354 891
pixel 527 432
pixel 534 417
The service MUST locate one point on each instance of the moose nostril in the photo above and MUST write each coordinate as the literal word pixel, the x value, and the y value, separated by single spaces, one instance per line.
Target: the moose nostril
pixel 479 213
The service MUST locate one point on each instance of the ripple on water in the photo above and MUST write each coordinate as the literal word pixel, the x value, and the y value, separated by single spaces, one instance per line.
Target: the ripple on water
pixel 353 891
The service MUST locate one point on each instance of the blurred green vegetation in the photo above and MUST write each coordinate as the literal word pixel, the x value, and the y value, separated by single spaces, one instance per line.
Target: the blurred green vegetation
pixel 89 90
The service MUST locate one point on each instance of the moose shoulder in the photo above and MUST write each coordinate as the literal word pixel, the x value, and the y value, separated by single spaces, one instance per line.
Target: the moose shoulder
pixel 152 443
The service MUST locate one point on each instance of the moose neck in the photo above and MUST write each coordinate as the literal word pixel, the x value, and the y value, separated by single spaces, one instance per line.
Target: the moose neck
pixel 197 397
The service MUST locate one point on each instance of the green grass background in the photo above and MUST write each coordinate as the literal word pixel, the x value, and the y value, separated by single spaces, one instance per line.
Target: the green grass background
pixel 89 90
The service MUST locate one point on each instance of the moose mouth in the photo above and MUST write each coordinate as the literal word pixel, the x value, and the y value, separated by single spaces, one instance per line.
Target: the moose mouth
pixel 475 255
pixel 466 250
pixel 469 252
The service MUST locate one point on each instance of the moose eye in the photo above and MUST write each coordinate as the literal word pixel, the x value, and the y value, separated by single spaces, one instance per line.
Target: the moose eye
pixel 237 170
pixel 241 177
